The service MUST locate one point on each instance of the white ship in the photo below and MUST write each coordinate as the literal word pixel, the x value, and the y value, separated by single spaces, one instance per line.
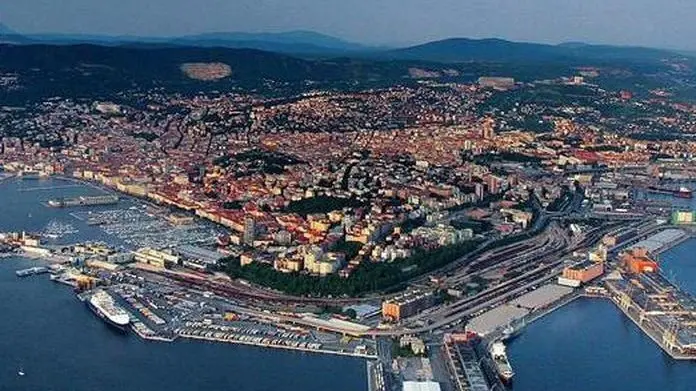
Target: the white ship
pixel 102 304
pixel 502 365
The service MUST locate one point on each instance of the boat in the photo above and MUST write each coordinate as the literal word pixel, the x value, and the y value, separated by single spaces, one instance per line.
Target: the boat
pixel 104 306
pixel 21 372
pixel 31 271
pixel 502 365
pixel 56 230
pixel 511 332
pixel 682 192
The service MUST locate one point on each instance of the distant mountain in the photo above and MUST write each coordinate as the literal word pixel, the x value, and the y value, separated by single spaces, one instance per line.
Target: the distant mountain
pixel 4 30
pixel 464 49
pixel 294 42
pixel 498 50
pixel 7 35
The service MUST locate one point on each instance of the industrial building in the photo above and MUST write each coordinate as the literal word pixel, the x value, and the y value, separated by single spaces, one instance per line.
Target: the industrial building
pixel 421 386
pixel 661 240
pixel 581 273
pixel 637 260
pixel 682 217
pixel 155 258
pixel 198 258
pixel 407 304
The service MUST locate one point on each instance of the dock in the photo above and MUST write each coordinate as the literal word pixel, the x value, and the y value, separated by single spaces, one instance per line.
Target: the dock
pixel 267 343
pixel 469 363
pixel 660 309
pixel 83 201
pixel 31 271
pixel 146 333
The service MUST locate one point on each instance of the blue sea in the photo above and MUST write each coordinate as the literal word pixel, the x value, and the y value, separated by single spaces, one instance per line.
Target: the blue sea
pixel 590 345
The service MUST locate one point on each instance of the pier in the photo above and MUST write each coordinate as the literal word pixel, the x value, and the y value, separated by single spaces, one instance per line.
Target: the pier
pixel 665 313
pixel 31 271
pixel 241 339
pixel 83 201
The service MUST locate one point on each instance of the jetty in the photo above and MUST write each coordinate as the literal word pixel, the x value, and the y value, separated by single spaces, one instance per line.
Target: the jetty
pixel 31 271
pixel 83 201
pixel 660 309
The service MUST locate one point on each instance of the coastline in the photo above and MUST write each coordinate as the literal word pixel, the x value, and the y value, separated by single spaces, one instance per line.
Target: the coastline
pixel 139 328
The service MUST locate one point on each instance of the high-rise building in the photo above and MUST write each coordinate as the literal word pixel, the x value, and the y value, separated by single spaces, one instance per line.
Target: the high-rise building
pixel 488 129
pixel 479 191
pixel 249 230
pixel 493 184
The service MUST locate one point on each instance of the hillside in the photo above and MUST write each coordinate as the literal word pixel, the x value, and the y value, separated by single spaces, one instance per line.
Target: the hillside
pixel 86 70
pixel 103 71
pixel 498 50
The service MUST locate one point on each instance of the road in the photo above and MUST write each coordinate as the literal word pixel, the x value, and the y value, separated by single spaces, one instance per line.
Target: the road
pixel 549 266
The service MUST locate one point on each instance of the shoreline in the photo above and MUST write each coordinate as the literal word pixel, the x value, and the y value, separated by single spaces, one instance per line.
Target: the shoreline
pixel 146 333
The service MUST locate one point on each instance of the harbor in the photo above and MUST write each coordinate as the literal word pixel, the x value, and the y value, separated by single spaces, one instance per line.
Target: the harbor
pixel 47 317
pixel 657 307
pixel 158 313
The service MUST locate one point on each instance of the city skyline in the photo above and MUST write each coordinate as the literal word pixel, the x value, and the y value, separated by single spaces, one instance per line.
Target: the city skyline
pixel 391 22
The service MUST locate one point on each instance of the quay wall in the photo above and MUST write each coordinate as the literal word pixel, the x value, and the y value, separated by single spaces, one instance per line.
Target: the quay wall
pixel 284 347
pixel 652 334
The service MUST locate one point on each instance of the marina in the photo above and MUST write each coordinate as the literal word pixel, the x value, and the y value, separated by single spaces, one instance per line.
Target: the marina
pixel 141 226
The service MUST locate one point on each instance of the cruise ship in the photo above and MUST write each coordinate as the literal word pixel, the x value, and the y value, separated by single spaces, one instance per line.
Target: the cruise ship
pixel 102 304
pixel 502 365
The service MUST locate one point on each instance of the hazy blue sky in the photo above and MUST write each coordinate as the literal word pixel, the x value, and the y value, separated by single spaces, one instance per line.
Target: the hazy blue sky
pixel 666 23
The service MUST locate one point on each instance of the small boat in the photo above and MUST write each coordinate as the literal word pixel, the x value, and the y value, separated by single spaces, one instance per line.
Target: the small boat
pixel 513 331
pixel 20 372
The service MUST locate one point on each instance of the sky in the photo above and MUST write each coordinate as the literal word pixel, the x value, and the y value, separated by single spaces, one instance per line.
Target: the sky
pixel 656 23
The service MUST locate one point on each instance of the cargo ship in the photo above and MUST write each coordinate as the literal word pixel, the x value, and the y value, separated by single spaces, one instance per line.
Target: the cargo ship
pixel 104 306
pixel 682 192
pixel 502 365
pixel 83 201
